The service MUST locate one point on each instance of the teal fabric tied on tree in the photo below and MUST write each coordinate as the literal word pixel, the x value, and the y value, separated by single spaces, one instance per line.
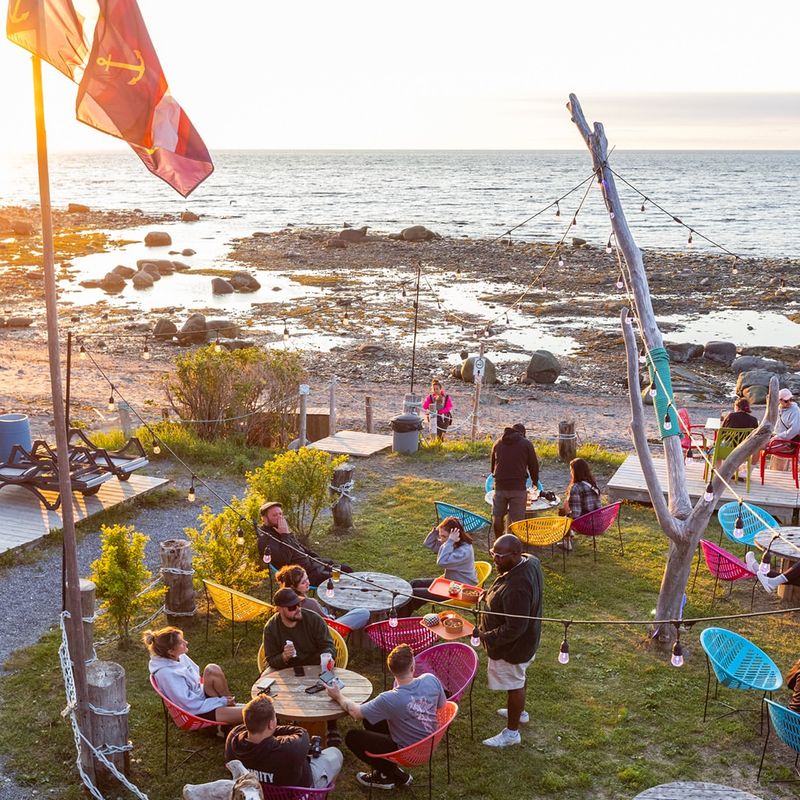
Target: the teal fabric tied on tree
pixel 658 364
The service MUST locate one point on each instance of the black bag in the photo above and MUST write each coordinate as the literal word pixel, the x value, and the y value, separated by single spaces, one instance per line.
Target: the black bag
pixel 445 420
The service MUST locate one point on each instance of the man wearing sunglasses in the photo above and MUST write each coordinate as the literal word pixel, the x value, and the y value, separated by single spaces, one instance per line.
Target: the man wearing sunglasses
pixel 510 637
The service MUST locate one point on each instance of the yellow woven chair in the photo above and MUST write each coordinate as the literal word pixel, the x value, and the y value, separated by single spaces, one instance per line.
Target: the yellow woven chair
pixel 340 660
pixel 482 569
pixel 234 605
pixel 542 531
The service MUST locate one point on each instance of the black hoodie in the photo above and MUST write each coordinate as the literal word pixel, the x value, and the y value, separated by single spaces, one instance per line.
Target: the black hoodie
pixel 513 458
pixel 281 759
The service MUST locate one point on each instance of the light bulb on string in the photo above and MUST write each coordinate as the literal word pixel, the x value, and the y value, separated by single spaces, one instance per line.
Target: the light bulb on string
pixel 642 208
pixel 285 331
pixel 643 357
pixel 475 639
pixel 217 346
pixel 765 564
pixel 191 496
pixel 156 447
pixel 146 351
pixel 458 272
pixel 111 404
pixel 240 537
pixel 652 390
pixel 689 240
pixel 82 354
pixel 558 209
pixel 266 556
pixel 709 495
pixel 330 592
pixel 563 653
pixel 393 613
pixel 677 653
pixel 667 422
pixel 575 220
pixel 609 249
pixel 620 281
pixel 738 526
pixel 734 268
pixel 508 321
pixel 404 291
pixel 560 260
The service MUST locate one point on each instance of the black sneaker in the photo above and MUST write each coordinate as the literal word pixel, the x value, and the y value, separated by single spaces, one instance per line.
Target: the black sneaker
pixel 375 779
pixel 333 739
pixel 406 780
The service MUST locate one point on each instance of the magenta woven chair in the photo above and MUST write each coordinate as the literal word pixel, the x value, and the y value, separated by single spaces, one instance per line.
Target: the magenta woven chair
pixel 183 719
pixel 455 665
pixel 596 523
pixel 724 566
pixel 409 630
pixel 273 792
pixel 422 751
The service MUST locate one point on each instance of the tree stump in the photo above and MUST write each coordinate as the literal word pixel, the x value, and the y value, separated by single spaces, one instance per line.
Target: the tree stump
pixel 176 567
pixel 343 507
pixel 567 441
pixel 87 612
pixel 106 682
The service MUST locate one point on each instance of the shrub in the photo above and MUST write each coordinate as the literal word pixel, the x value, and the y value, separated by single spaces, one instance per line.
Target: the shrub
pixel 258 386
pixel 120 575
pixel 299 481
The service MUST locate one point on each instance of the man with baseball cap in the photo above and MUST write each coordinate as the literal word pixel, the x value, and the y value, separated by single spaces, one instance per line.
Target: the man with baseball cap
pixel 284 548
pixel 787 426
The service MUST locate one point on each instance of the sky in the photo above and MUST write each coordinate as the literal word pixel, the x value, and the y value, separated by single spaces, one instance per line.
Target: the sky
pixel 442 74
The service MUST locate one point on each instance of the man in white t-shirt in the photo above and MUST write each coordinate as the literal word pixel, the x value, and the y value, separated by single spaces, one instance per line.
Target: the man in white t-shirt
pixel 787 426
pixel 395 719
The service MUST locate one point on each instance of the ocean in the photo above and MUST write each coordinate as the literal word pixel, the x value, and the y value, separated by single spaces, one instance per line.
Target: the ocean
pixel 746 201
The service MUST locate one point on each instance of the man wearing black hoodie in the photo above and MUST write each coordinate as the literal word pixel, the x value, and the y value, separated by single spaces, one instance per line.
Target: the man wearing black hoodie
pixel 279 753
pixel 513 459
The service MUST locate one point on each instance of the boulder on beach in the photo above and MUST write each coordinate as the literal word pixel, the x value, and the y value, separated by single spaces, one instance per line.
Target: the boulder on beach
pixel 756 395
pixel 221 286
pixel 353 234
pixel 720 352
pixel 578 242
pixel 681 352
pixel 371 349
pixel 746 363
pixel 189 216
pixel 418 233
pixel 543 367
pixel 243 281
pixel 179 266
pixel 237 344
pixel 193 331
pixel 142 280
pixel 112 283
pixel 22 228
pixel 19 322
pixel 77 208
pixel 164 329
pixel 335 243
pixel 6 226
pixel 91 283
pixel 123 271
pixel 222 328
pixel 157 239
pixel 467 371
pixel 187 251
pixel 792 382
pixel 754 377
pixel 152 270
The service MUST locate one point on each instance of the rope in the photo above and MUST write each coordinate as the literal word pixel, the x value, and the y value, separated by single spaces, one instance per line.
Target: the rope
pixel 180 613
pixel 343 491
pixel 109 712
pixel 177 571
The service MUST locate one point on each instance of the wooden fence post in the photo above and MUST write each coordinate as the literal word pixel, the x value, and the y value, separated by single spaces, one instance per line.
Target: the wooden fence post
pixel 332 410
pixel 368 408
pixel 109 709
pixel 567 441
pixel 87 612
pixel 302 437
pixel 342 509
pixel 176 570
pixel 478 379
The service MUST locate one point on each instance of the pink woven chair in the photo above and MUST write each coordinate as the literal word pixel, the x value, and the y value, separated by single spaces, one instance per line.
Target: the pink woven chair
pixel 273 792
pixel 422 751
pixel 455 665
pixel 339 627
pixel 724 566
pixel 596 523
pixel 183 719
pixel 692 436
pixel 409 630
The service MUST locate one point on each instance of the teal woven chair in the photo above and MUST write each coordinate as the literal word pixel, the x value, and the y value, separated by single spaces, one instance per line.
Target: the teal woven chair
pixel 753 524
pixel 738 664
pixel 787 727
pixel 472 522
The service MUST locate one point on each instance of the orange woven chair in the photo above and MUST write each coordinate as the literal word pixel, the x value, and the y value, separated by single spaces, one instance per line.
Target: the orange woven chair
pixel 417 754
pixel 183 720
pixel 542 531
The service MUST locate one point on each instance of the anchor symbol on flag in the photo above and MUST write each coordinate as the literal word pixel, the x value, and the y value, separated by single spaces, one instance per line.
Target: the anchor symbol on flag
pixel 137 68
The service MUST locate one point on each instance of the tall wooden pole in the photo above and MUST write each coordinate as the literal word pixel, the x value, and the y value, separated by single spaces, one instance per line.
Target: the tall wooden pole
pixel 72 589
pixel 416 319
pixel 476 398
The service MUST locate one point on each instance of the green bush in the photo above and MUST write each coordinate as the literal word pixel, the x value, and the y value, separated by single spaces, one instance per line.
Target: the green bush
pixel 120 575
pixel 299 481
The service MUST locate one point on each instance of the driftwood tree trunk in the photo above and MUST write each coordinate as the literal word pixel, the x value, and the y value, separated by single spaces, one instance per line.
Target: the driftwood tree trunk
pixel 681 523
pixel 176 566
pixel 342 509
pixel 567 441
pixel 110 725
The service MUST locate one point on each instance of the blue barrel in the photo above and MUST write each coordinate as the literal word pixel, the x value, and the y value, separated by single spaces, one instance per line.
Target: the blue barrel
pixel 14 429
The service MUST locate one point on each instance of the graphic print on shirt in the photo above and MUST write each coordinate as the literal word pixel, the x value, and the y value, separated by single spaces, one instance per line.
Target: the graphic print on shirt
pixel 424 710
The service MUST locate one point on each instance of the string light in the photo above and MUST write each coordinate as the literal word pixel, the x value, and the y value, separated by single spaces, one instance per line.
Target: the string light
pixel 156 447
pixel 266 556
pixel 146 351
pixel 558 209
pixel 330 592
pixel 285 331
pixel 191 496
pixel 734 268
pixel 217 346
pixel 575 220
pixel 765 564
pixel 609 248
pixel 652 390
pixel 738 526
pixel 677 652
pixel 709 495
pixel 393 613
pixel 404 288
pixel 508 321
pixel 82 353
pixel 563 653
pixel 111 403
pixel 643 202
pixel 475 639
pixel 642 357
pixel 620 281
pixel 240 537
pixel 560 260
pixel 667 422
pixel 689 240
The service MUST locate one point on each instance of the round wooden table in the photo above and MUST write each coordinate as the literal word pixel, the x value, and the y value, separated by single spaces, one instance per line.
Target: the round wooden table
pixel 694 790
pixel 292 703
pixel 788 548
pixel 350 593
pixel 533 507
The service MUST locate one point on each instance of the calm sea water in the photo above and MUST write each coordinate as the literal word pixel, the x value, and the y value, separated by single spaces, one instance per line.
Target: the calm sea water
pixel 747 201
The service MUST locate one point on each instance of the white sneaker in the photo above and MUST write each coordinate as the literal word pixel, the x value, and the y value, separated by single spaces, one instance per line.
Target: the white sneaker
pixel 524 717
pixel 766 582
pixel 750 560
pixel 504 739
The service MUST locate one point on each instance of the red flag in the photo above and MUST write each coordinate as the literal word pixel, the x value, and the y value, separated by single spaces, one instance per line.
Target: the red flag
pixel 122 91
pixel 52 30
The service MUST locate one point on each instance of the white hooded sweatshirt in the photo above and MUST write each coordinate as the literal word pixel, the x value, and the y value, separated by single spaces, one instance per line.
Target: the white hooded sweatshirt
pixel 179 681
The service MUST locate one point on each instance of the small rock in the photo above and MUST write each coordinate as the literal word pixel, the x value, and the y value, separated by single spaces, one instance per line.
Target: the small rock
pixel 77 208
pixel 418 233
pixel 123 271
pixel 112 283
pixel 353 234
pixel 142 280
pixel 745 363
pixel 237 344
pixel 189 216
pixel 221 286
pixel 243 281
pixel 187 251
pixel 335 243
pixel 152 270
pixel 681 352
pixel 91 283
pixel 371 349
pixel 578 242
pixel 157 239
pixel 179 266
pixel 19 322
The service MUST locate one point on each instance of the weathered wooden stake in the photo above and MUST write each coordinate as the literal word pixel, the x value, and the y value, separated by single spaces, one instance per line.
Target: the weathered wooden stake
pixel 302 437
pixel 368 408
pixel 567 440
pixel 332 412
pixel 343 507
pixel 125 419
pixel 476 397
pixel 176 565
pixel 106 682
pixel 87 612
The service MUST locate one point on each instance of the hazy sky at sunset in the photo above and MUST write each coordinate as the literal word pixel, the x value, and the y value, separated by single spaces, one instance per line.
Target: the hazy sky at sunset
pixel 448 74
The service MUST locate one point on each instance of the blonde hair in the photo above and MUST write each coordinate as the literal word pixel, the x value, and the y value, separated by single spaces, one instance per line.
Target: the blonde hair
pixel 160 642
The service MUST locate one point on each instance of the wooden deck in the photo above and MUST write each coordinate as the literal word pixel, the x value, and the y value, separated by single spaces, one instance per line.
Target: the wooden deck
pixel 778 495
pixel 353 443
pixel 23 519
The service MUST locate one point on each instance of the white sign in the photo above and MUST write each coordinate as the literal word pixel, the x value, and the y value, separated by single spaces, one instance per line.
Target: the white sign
pixel 479 368
pixel 305 388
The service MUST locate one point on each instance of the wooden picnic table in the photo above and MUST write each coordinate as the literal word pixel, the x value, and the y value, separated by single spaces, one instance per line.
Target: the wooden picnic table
pixel 694 790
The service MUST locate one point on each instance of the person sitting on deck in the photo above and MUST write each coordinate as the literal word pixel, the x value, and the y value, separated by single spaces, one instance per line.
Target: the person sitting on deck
pixel 787 426
pixel 740 417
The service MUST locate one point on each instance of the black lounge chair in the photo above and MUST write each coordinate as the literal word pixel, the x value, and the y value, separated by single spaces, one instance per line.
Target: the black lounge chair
pixel 120 462
pixel 40 474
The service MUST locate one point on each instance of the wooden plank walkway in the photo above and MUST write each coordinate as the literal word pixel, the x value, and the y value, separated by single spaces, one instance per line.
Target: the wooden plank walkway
pixel 23 519
pixel 353 443
pixel 778 495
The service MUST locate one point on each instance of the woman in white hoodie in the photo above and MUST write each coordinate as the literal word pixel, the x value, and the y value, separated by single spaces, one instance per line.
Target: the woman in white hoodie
pixel 178 678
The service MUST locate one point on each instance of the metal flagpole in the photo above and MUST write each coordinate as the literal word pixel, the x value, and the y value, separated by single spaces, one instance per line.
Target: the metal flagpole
pixel 72 596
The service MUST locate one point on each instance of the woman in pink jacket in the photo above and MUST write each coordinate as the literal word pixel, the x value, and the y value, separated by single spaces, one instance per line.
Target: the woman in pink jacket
pixel 443 406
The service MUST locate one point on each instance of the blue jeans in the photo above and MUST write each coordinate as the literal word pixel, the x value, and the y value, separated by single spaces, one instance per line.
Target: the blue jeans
pixel 356 619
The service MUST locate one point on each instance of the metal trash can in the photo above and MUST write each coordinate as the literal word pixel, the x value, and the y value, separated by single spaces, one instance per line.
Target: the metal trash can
pixel 405 433
pixel 14 429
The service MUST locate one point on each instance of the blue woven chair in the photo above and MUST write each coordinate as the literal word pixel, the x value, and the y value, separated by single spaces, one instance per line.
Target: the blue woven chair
pixel 787 727
pixel 728 513
pixel 738 664
pixel 472 522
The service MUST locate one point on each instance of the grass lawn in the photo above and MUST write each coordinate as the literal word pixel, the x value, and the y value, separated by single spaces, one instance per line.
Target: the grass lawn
pixel 614 721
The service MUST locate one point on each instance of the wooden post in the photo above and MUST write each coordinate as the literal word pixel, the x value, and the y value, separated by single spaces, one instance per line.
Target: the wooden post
pixel 476 398
pixel 176 566
pixel 368 409
pixel 106 681
pixel 343 507
pixel 87 612
pixel 332 412
pixel 125 418
pixel 567 440
pixel 302 437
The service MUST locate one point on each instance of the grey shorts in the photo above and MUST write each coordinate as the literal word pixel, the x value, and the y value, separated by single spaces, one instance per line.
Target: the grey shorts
pixel 511 501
